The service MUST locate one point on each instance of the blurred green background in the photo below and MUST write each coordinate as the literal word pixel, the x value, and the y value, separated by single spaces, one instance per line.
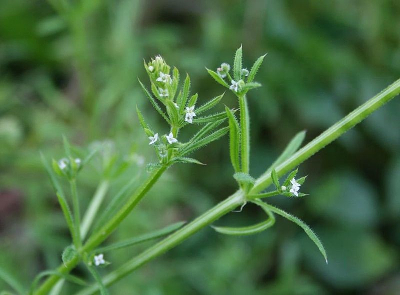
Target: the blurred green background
pixel 70 67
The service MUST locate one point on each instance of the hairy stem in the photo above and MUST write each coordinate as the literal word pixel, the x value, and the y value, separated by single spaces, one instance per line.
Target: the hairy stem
pixel 330 135
pixel 245 133
pixel 98 237
pixel 171 241
pixel 264 181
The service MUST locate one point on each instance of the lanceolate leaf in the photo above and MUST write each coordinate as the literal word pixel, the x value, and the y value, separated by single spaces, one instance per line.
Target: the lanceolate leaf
pixel 255 68
pixel 172 112
pixel 185 160
pixel 143 238
pixel 208 105
pixel 290 177
pixel 155 104
pixel 206 129
pixel 202 142
pixel 210 118
pixel 67 147
pixel 234 140
pixel 185 94
pixel 193 100
pixel 275 178
pixel 249 230
pixel 237 64
pixel 304 226
pixel 217 78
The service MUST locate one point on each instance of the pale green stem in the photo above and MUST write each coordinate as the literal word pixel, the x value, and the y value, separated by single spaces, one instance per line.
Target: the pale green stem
pixel 330 135
pixel 244 134
pixel 98 237
pixel 93 208
pixel 265 180
pixel 171 241
pixel 77 213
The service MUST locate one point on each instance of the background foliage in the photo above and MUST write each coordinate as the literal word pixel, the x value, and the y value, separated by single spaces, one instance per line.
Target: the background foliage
pixel 75 73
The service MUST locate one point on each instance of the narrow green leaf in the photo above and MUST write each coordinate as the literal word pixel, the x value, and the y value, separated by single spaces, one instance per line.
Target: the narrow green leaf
pixel 255 68
pixel 185 160
pixel 290 149
pixel 249 230
pixel 301 180
pixel 208 105
pixel 205 130
pixel 10 280
pixel 172 112
pixel 290 177
pixel 244 178
pixel 249 86
pixel 67 277
pixel 210 118
pixel 217 78
pixel 234 140
pixel 185 94
pixel 275 179
pixel 154 103
pixel 98 279
pixel 304 226
pixel 67 147
pixel 202 142
pixel 143 238
pixel 156 93
pixel 175 82
pixel 68 216
pixel 193 100
pixel 237 64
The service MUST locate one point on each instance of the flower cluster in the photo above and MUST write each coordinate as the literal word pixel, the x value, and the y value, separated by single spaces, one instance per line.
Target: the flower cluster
pixel 242 79
pixel 178 109
pixel 67 167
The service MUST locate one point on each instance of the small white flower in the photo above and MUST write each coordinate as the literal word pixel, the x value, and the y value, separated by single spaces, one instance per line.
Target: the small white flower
pixel 245 72
pixel 176 105
pixel 63 163
pixel 163 92
pixel 151 68
pixel 159 58
pixel 234 86
pixel 153 139
pixel 78 161
pixel 190 114
pixel 99 260
pixel 283 187
pixel 171 138
pixel 225 67
pixel 164 78
pixel 295 187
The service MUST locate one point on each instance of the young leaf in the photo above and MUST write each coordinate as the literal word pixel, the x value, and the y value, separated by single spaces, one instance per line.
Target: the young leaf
pixel 204 141
pixel 193 100
pixel 207 128
pixel 185 94
pixel 172 112
pixel 210 118
pixel 237 64
pixel 234 139
pixel 96 276
pixel 210 104
pixel 143 238
pixel 175 82
pixel 275 179
pixel 255 68
pixel 290 177
pixel 304 226
pixel 249 230
pixel 154 103
pixel 69 254
pixel 249 86
pixel 185 160
pixel 217 78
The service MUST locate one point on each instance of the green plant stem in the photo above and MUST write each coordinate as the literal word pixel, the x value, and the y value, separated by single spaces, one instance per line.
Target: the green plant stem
pixel 330 135
pixel 245 133
pixel 171 241
pixel 76 212
pixel 94 206
pixel 264 181
pixel 104 231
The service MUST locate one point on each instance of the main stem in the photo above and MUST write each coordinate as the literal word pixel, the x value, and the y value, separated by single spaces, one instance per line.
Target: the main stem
pixel 244 134
pixel 103 232
pixel 77 213
pixel 330 135
pixel 263 182
pixel 171 241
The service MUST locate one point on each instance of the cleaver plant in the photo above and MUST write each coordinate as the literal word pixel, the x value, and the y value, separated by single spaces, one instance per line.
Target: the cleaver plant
pixel 178 108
